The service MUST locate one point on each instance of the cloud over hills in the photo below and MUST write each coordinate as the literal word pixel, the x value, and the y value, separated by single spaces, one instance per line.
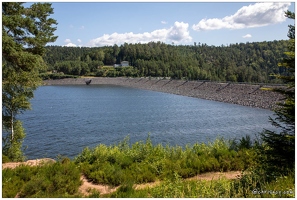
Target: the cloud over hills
pixel 255 15
pixel 177 33
pixel 69 43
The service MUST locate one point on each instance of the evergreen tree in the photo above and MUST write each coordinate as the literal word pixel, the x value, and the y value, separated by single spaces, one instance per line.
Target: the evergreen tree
pixel 25 32
pixel 280 151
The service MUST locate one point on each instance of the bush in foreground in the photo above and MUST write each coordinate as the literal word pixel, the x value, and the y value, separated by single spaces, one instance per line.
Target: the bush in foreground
pixel 144 162
pixel 49 180
pixel 222 188
pixel 125 165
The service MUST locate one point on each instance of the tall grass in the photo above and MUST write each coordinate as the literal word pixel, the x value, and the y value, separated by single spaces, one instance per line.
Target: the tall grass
pixel 222 188
pixel 144 162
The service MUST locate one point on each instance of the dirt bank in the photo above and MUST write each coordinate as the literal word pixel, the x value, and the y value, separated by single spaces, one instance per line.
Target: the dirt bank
pixel 13 165
pixel 241 94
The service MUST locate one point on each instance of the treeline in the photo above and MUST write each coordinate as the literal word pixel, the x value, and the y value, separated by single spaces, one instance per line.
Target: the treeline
pixel 249 62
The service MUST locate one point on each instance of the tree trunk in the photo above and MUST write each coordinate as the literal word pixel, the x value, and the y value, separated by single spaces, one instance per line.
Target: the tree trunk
pixel 12 132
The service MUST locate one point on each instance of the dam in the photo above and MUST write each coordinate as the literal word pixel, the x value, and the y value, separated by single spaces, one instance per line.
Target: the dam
pixel 244 94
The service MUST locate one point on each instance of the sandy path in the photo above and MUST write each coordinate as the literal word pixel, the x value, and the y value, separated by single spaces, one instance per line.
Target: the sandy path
pixel 103 189
pixel 13 165
pixel 87 186
pixel 205 176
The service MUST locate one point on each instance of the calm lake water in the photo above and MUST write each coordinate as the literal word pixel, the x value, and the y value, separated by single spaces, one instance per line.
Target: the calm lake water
pixel 65 119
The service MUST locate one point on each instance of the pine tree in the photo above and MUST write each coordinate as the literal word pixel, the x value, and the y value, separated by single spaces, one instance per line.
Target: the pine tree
pixel 25 32
pixel 280 151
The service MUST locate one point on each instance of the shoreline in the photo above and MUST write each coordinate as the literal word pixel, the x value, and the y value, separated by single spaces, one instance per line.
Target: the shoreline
pixel 241 94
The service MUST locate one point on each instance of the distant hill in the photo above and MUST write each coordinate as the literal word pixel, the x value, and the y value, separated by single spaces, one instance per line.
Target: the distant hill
pixel 249 62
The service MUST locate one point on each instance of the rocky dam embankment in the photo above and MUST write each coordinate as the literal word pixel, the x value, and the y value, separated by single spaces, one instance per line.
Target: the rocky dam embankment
pixel 242 94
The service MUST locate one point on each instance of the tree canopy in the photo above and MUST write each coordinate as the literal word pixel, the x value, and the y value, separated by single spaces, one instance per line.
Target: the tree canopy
pixel 249 62
pixel 25 32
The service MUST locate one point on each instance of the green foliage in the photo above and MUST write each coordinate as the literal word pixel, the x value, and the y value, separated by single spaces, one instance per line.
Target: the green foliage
pixel 125 164
pixel 12 147
pixel 5 159
pixel 250 62
pixel 94 194
pixel 144 162
pixel 115 72
pixel 54 76
pixel 177 188
pixel 248 186
pixel 279 155
pixel 25 32
pixel 255 185
pixel 50 180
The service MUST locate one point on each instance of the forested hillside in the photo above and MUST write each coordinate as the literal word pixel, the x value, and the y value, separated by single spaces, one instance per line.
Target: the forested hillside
pixel 250 62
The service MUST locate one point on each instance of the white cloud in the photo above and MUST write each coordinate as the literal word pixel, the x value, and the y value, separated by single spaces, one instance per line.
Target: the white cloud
pixel 164 22
pixel 177 33
pixel 67 41
pixel 255 15
pixel 247 36
pixel 82 27
pixel 70 45
pixel 79 40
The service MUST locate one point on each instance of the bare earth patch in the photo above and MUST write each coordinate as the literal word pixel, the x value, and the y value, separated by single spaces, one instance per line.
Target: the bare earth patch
pixel 103 189
pixel 87 186
pixel 13 165
pixel 205 176
pixel 216 175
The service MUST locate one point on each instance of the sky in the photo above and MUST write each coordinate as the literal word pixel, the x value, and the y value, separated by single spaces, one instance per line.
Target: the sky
pixel 96 24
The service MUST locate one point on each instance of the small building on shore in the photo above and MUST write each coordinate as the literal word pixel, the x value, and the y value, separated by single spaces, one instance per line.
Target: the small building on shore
pixel 123 64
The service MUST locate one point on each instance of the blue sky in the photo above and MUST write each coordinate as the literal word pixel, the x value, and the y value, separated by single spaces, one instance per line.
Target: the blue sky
pixel 214 23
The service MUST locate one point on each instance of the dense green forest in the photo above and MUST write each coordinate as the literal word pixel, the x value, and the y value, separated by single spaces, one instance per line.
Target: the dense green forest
pixel 249 62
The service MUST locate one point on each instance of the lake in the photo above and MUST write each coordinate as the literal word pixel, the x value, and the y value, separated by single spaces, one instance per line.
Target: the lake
pixel 65 119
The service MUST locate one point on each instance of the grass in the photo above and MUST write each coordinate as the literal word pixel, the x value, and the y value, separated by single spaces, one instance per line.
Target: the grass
pixel 222 188
pixel 126 164
pixel 142 162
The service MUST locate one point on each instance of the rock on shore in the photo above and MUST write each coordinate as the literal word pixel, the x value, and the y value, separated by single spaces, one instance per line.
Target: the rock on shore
pixel 241 94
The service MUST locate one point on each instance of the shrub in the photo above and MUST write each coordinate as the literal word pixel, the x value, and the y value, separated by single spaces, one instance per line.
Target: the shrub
pixel 144 162
pixel 94 193
pixel 11 183
pixel 5 159
pixel 49 180
pixel 61 178
pixel 61 75
pixel 142 173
